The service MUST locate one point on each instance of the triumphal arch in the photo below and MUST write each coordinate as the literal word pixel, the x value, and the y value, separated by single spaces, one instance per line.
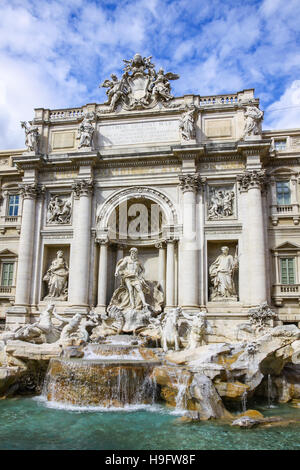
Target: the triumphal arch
pixel 200 202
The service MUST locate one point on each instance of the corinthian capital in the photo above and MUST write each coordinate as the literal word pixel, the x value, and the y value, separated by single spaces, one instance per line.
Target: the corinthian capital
pixel 83 188
pixel 190 182
pixel 252 179
pixel 31 191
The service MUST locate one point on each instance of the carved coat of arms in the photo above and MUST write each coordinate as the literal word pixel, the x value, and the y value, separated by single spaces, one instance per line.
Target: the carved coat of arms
pixel 140 86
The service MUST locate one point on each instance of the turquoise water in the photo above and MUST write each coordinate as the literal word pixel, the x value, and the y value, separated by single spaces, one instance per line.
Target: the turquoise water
pixel 29 423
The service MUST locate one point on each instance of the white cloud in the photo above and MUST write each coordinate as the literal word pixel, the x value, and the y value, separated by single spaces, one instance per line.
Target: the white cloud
pixel 285 112
pixel 54 53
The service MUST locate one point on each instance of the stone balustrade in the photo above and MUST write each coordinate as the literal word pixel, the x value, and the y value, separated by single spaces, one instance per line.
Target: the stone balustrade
pixel 284 211
pixel 4 290
pixel 282 292
pixel 218 99
pixel 11 219
pixel 66 114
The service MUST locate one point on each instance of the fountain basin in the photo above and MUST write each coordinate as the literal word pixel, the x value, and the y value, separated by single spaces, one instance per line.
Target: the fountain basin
pixel 100 382
pixel 119 351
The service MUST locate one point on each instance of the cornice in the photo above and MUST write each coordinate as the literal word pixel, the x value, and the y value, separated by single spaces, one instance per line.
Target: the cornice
pixel 253 147
pixel 189 153
pixel 224 228
pixel 138 163
pixel 60 234
pixel 28 162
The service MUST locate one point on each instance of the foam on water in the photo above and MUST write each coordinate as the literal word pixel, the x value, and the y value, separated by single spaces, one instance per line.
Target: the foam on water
pixel 155 408
pixel 124 357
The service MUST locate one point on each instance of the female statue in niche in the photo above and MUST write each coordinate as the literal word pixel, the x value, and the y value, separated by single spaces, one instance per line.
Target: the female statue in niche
pixel 221 272
pixel 57 278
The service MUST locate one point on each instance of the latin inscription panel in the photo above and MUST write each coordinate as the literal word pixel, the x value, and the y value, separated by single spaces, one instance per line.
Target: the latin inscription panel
pixel 139 132
pixel 62 140
pixel 218 127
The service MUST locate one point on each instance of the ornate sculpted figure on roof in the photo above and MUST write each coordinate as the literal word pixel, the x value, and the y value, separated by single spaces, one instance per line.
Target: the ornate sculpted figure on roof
pixel 253 117
pixel 140 86
pixel 32 136
pixel 162 87
pixel 116 90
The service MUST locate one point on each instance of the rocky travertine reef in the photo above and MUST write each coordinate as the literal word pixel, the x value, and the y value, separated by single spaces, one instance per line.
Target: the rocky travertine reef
pixel 118 370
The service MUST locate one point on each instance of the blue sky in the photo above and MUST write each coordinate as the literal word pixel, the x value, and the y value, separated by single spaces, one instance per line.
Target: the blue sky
pixel 55 53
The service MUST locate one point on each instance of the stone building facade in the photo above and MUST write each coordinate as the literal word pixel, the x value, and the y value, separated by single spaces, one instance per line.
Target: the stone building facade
pixel 179 178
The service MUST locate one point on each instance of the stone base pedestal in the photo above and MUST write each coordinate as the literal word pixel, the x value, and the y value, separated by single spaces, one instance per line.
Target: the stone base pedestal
pixel 224 300
pixel 17 315
pixel 70 311
pixel 252 137
pixel 191 310
pixel 100 309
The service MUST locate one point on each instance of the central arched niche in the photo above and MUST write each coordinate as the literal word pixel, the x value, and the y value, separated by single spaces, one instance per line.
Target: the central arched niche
pixel 136 220
pixel 140 221
pixel 141 217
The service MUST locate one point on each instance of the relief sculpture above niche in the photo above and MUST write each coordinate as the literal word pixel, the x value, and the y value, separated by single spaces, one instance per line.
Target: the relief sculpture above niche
pixel 221 202
pixel 59 209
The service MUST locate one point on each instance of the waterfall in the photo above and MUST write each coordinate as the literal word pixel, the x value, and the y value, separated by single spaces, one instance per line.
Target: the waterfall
pixel 227 370
pixel 106 383
pixel 180 382
pixel 270 392
pixel 244 401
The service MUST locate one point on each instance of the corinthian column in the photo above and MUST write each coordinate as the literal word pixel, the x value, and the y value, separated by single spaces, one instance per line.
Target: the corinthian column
pixel 252 183
pixel 24 274
pixel 79 279
pixel 189 253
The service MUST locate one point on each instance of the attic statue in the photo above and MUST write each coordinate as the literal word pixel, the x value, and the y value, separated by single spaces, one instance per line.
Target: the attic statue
pixel 32 136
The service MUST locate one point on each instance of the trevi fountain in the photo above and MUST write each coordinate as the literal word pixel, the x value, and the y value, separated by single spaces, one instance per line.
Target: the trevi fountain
pixel 149 294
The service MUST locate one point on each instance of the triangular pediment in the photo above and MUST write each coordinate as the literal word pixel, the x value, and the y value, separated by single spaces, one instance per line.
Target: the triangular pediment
pixel 287 246
pixel 7 252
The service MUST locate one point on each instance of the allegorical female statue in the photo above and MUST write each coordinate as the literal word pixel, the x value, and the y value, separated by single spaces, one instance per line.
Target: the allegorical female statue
pixel 187 123
pixel 253 117
pixel 57 278
pixel 32 136
pixel 86 131
pixel 221 273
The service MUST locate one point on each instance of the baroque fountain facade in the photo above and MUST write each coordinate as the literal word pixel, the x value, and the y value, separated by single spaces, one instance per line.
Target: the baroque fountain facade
pixel 150 250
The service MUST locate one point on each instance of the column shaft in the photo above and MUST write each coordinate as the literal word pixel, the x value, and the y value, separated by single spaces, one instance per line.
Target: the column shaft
pixel 170 282
pixel 256 247
pixel 162 266
pixel 189 250
pixel 102 276
pixel 24 274
pixel 82 243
